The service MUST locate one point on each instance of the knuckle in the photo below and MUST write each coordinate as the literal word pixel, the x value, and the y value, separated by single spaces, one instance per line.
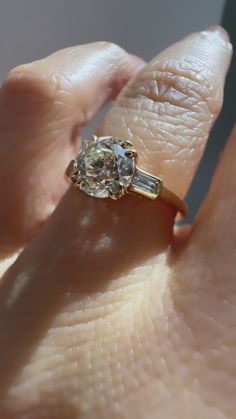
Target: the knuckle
pixel 25 86
pixel 118 58
pixel 181 86
pixel 111 47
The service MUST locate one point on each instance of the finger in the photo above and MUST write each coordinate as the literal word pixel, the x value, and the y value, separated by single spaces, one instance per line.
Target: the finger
pixel 203 289
pixel 215 227
pixel 98 274
pixel 42 104
pixel 169 109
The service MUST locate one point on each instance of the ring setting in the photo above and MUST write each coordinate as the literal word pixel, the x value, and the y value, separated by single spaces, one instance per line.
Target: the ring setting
pixel 106 167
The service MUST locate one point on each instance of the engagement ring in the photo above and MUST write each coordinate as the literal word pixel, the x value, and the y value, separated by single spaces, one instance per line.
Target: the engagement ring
pixel 107 167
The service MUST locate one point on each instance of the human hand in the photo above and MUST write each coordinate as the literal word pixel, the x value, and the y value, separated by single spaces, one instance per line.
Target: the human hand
pixel 107 313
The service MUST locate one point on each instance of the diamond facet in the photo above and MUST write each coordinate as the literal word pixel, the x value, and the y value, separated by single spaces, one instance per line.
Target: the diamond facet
pixel 105 167
pixel 146 184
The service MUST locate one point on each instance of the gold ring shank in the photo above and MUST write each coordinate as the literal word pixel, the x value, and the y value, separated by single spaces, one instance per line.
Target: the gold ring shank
pixel 170 198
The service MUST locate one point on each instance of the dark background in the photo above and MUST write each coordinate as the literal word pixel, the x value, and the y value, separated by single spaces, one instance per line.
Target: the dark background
pixel 31 29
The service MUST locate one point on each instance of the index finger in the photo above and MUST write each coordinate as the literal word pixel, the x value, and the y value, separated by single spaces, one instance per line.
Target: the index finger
pixel 41 104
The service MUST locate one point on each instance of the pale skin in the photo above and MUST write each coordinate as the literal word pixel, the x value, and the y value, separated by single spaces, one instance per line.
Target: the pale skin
pixel 106 312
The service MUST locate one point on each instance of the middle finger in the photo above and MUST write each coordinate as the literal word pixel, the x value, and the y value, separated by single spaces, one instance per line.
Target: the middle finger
pixel 169 109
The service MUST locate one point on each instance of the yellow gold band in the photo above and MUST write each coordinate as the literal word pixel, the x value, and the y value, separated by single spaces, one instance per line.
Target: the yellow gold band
pixel 171 198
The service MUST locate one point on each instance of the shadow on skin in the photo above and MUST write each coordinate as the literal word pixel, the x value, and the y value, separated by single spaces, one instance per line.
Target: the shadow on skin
pixel 61 409
pixel 86 244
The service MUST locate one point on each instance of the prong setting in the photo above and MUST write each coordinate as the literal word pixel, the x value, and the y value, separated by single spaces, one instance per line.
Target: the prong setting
pixel 131 153
pixel 104 167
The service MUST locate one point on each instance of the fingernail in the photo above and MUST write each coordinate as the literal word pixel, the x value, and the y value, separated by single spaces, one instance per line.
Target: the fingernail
pixel 221 32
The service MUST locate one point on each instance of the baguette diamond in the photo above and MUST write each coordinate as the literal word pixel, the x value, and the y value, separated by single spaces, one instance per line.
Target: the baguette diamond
pixel 145 184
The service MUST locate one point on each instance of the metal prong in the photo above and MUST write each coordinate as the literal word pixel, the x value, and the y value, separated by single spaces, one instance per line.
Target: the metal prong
pixel 77 182
pixel 127 143
pixel 94 138
pixel 72 168
pixel 131 153
pixel 112 196
pixel 115 193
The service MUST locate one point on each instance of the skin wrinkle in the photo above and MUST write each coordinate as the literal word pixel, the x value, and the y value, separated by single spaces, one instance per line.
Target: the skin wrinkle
pixel 160 110
pixel 170 103
pixel 178 150
pixel 75 295
pixel 149 90
pixel 144 351
pixel 189 69
pixel 196 83
pixel 175 73
pixel 168 123
pixel 153 100
pixel 214 322
pixel 155 97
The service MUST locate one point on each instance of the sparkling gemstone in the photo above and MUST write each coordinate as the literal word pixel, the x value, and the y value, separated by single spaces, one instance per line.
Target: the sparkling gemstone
pixel 105 167
pixel 146 184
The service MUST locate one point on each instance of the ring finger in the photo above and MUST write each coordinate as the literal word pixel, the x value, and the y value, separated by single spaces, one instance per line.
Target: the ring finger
pixel 87 281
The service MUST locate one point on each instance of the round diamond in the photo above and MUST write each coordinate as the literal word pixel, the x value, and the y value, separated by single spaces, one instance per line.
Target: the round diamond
pixel 105 167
